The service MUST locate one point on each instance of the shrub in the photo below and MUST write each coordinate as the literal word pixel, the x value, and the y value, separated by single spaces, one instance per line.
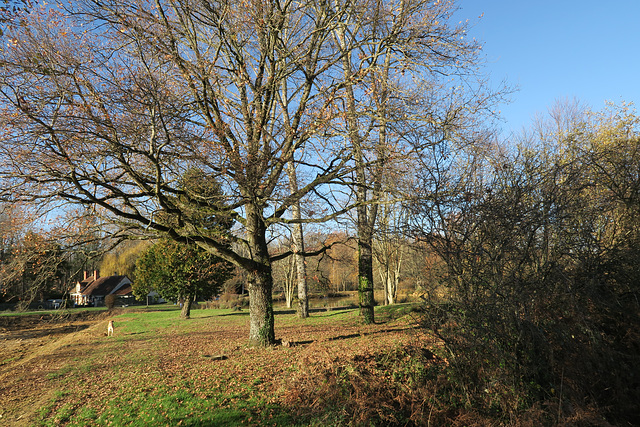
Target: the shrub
pixel 229 300
pixel 409 386
pixel 110 301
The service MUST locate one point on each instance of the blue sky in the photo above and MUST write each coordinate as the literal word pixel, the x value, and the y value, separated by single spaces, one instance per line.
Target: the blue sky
pixel 558 49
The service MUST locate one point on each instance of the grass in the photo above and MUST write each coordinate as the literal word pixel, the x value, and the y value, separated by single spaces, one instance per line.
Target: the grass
pixel 159 370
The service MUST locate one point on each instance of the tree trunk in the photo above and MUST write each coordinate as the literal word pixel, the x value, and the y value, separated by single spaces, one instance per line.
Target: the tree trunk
pixel 261 322
pixel 365 234
pixel 384 275
pixel 303 298
pixel 390 287
pixel 396 274
pixel 261 329
pixel 290 278
pixel 297 238
pixel 185 313
pixel 365 272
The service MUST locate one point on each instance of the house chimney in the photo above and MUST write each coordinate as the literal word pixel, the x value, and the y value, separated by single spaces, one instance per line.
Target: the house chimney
pixel 85 275
pixel 95 274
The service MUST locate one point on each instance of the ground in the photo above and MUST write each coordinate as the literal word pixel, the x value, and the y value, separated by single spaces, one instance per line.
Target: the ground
pixel 159 370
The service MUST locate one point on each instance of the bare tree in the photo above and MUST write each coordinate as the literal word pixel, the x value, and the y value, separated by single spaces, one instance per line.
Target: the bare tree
pixel 540 244
pixel 297 241
pixel 34 267
pixel 108 104
pixel 285 272
pixel 412 84
pixel 389 250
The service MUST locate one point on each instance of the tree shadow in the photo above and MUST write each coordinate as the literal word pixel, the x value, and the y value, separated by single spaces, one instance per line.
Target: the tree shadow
pixel 338 310
pixel 235 313
pixel 349 336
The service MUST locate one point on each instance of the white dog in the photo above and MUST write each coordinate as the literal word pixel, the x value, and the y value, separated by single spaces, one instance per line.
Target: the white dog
pixel 110 328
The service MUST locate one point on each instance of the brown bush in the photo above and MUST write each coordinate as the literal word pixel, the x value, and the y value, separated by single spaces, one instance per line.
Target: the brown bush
pixel 401 387
pixel 110 301
pixel 228 301
pixel 412 386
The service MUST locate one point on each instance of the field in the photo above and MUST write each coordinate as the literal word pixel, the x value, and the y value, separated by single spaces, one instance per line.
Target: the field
pixel 160 370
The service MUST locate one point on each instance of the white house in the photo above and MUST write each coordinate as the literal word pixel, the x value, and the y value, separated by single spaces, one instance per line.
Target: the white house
pixel 92 289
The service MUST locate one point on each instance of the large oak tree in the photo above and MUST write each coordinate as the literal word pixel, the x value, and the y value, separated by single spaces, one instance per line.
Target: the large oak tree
pixel 109 103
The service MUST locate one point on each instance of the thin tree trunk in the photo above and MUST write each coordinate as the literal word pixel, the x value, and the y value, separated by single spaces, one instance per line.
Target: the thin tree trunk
pixel 384 272
pixel 390 288
pixel 298 247
pixel 396 273
pixel 365 271
pixel 303 298
pixel 365 233
pixel 289 282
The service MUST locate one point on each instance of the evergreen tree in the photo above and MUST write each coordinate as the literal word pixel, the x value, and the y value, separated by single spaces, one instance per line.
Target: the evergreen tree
pixel 180 271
